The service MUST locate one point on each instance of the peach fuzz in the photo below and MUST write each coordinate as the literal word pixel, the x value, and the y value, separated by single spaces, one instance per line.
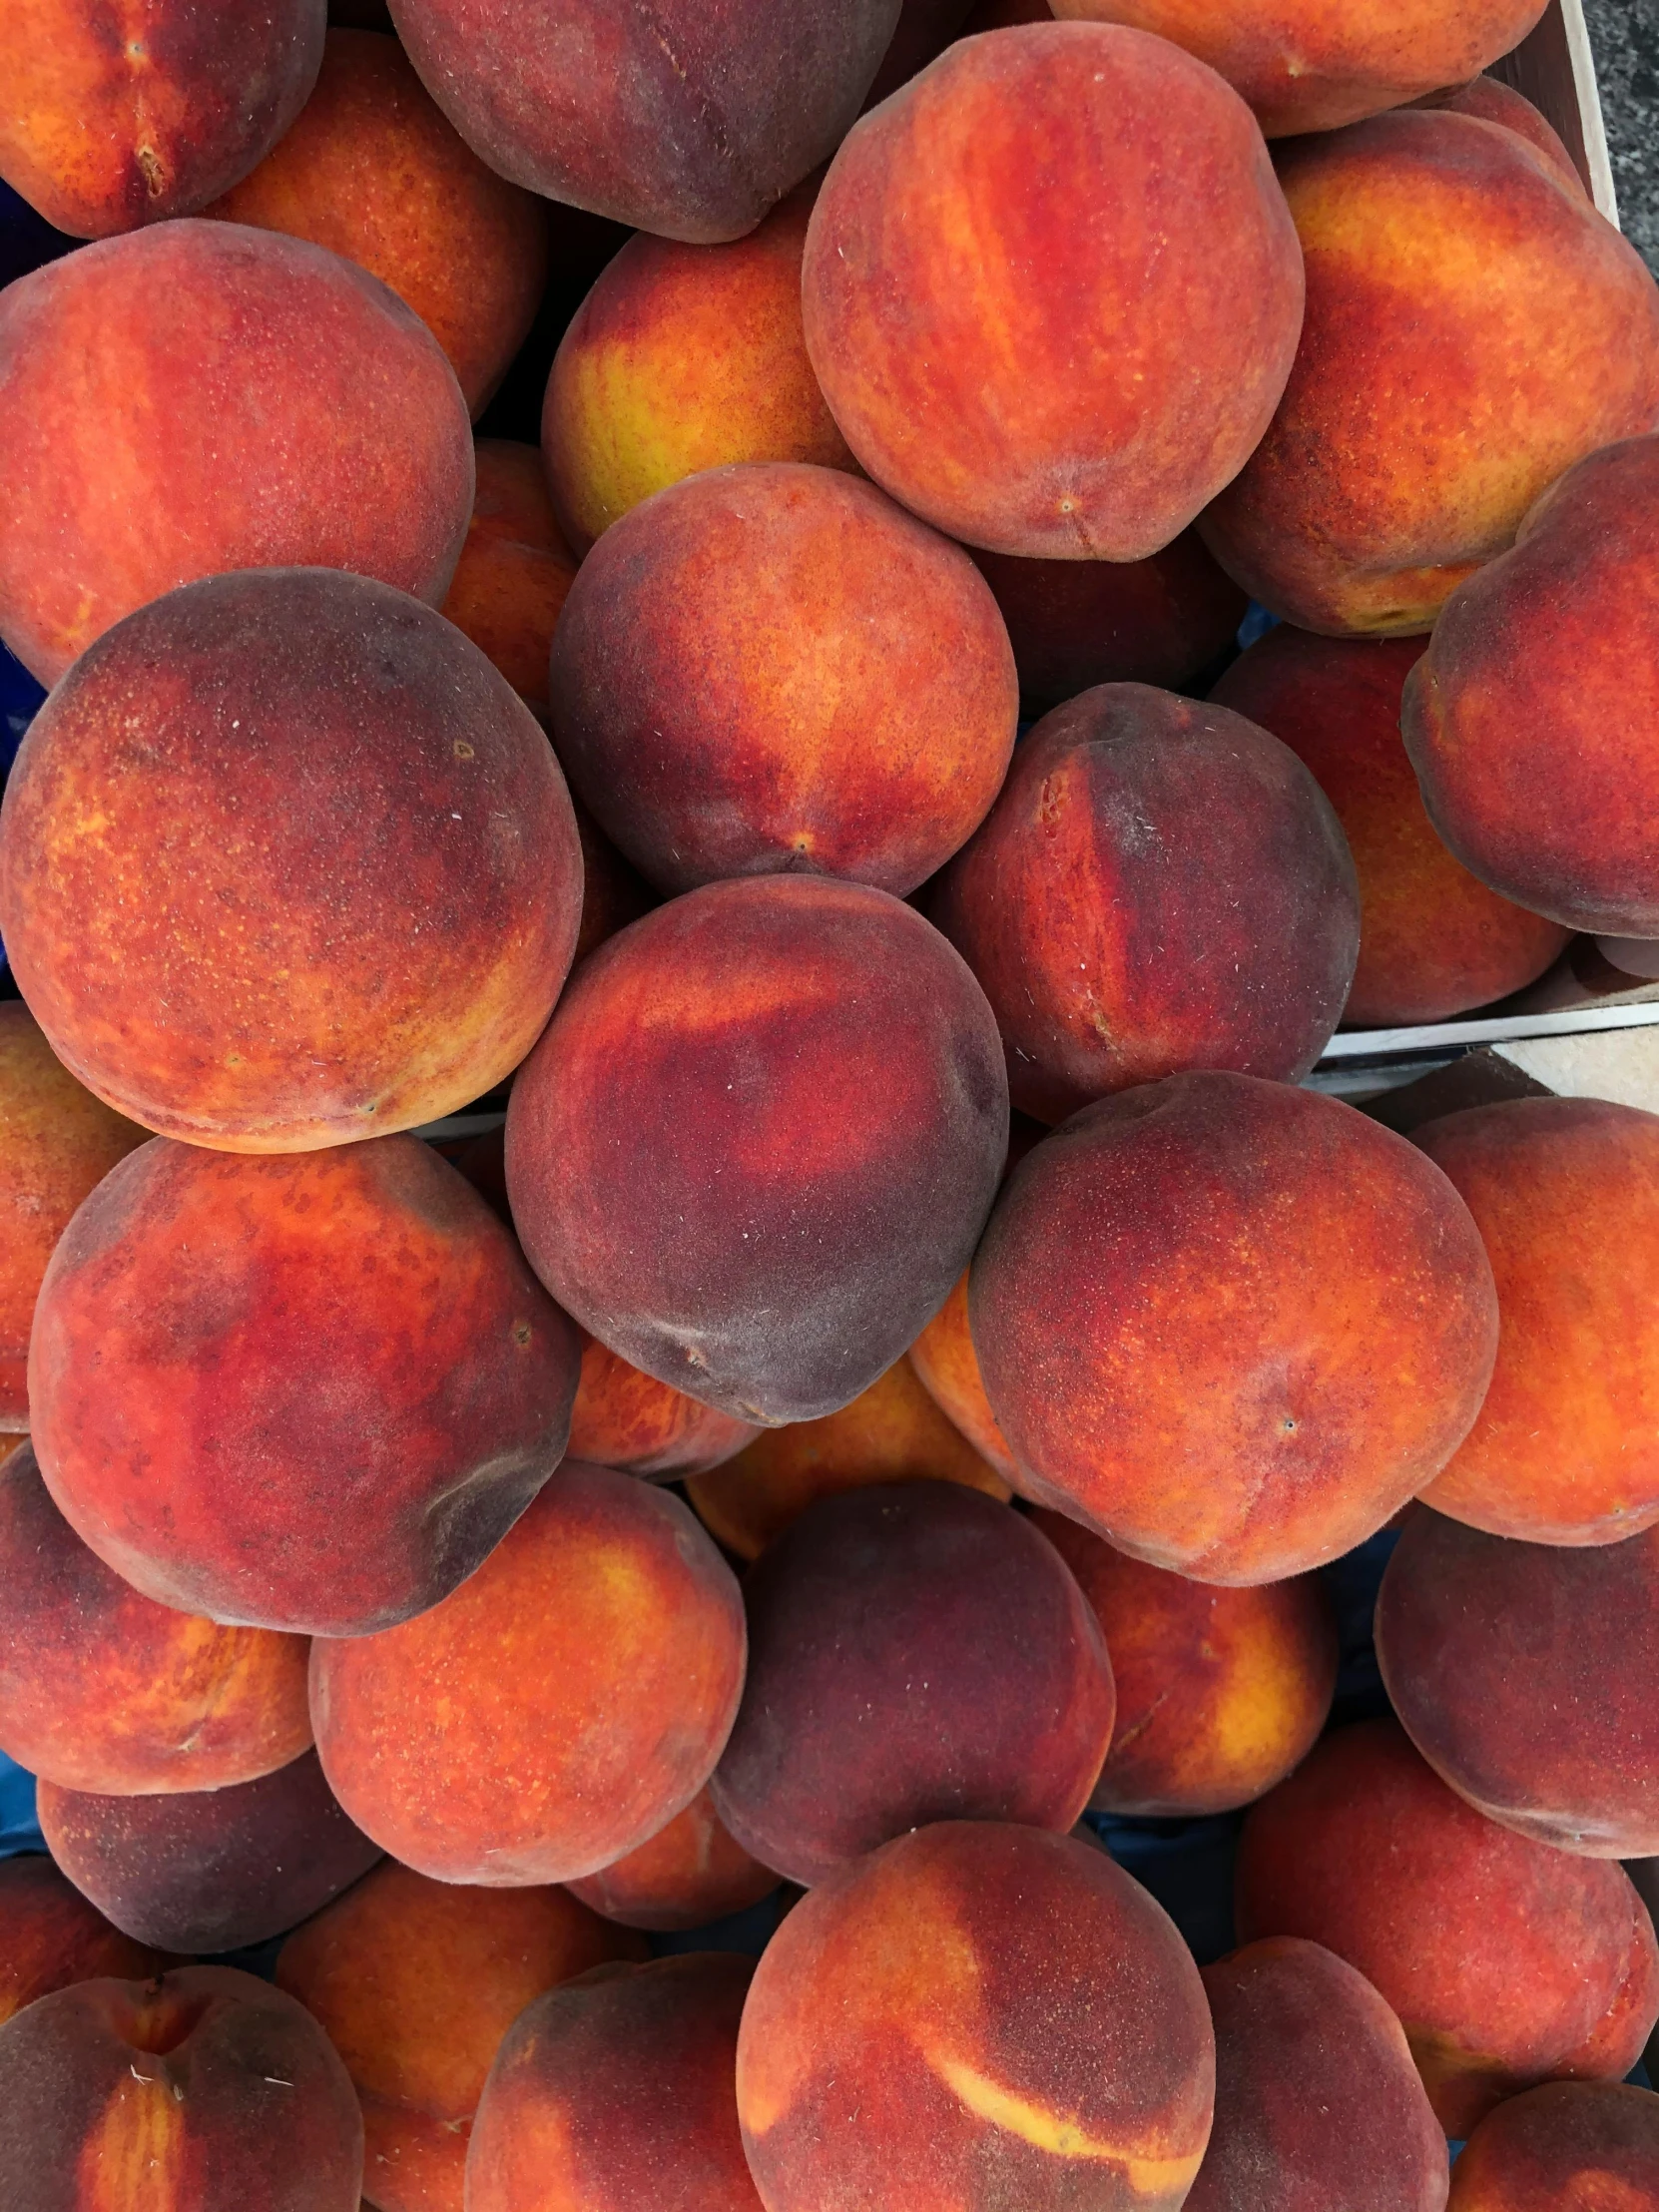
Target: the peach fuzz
pixel 1220 1692
pixel 57 1142
pixel 916 1653
pixel 682 358
pixel 690 1873
pixel 51 1938
pixel 1527 1675
pixel 1321 1305
pixel 624 1418
pixel 1318 2106
pixel 682 121
pixel 121 116
pixel 103 1690
pixel 1491 100
pixel 202 397
pixel 1433 941
pixel 208 1870
pixel 590 1667
pixel 976 2016
pixel 1531 717
pixel 516 570
pixel 892 1432
pixel 373 170
pixel 758 1141
pixel 1065 360
pixel 947 1369
pixel 1507 1963
pixel 1565 1195
pixel 1452 275
pixel 415 1983
pixel 1310 65
pixel 308 1393
pixel 292 989
pixel 204 2088
pixel 773 667
pixel 1570 2146
pixel 614 2093
pixel 1161 885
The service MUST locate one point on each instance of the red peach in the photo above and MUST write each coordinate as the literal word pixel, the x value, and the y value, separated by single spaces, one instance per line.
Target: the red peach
pixel 623 1418
pixel 690 1873
pixel 1570 2146
pixel 51 1936
pixel 1491 100
pixel 516 570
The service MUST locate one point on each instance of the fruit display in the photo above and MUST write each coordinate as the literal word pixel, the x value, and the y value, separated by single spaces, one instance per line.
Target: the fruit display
pixel 740 1468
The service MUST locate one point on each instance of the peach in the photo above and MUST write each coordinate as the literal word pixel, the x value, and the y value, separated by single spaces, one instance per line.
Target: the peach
pixel 292 989
pixel 690 1873
pixel 1531 717
pixel 1491 100
pixel 613 892
pixel 50 1938
pixel 1433 941
pixel 204 2088
pixel 758 1141
pixel 976 2016
pixel 1075 624
pixel 515 569
pixel 1507 1963
pixel 1568 2146
pixel 1231 1325
pixel 591 1670
pixel 1064 358
pixel 1160 885
pixel 1527 1675
pixel 56 1142
pixel 416 1983
pixel 891 1432
pixel 947 1369
pixel 623 1418
pixel 916 1653
pixel 103 1690
pixel 1220 1692
pixel 115 119
pixel 1317 2103
pixel 373 170
pixel 200 397
pixel 681 120
pixel 614 2093
pixel 773 668
pixel 682 358
pixel 1310 65
pixel 1565 1195
pixel 1380 486
pixel 306 1393
pixel 208 1870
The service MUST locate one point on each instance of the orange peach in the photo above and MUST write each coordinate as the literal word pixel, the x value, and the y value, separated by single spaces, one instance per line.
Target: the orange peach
pixel 1570 2146
pixel 624 1418
pixel 51 1936
pixel 1064 358
pixel 1492 101
pixel 516 570
pixel 200 397
pixel 682 358
pixel 947 1369
pixel 1454 281
pixel 690 1873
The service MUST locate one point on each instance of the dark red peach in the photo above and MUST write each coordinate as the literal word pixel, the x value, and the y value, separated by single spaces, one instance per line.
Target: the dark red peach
pixel 1570 2146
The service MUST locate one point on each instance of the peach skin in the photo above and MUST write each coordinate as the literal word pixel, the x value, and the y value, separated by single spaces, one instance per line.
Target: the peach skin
pixel 516 570
pixel 624 1418
pixel 1570 2146
pixel 947 1368
pixel 1491 100
pixel 51 1936
pixel 690 1873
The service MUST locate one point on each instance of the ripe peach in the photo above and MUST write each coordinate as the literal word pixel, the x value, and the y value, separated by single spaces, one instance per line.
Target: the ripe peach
pixel 208 1870
pixel 292 989
pixel 623 1418
pixel 115 119
pixel 614 893
pixel 1231 1325
pixel 1220 1692
pixel 1492 101
pixel 976 2016
pixel 690 1873
pixel 1055 388
pixel 1568 2146
pixel 56 1142
pixel 103 1690
pixel 758 1140
pixel 1507 1963
pixel 683 358
pixel 516 570
pixel 891 1432
pixel 591 1670
pixel 947 1368
pixel 416 1983
pixel 1161 885
pixel 50 1938
pixel 1433 941
pixel 1565 1195
pixel 200 397
pixel 771 668
pixel 310 1391
pixel 1379 487
pixel 677 119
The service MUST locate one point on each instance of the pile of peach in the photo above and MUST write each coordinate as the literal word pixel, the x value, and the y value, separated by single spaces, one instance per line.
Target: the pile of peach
pixel 889 1391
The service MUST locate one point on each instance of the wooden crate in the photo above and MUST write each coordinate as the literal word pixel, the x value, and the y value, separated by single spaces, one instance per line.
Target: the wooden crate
pixel 1555 69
